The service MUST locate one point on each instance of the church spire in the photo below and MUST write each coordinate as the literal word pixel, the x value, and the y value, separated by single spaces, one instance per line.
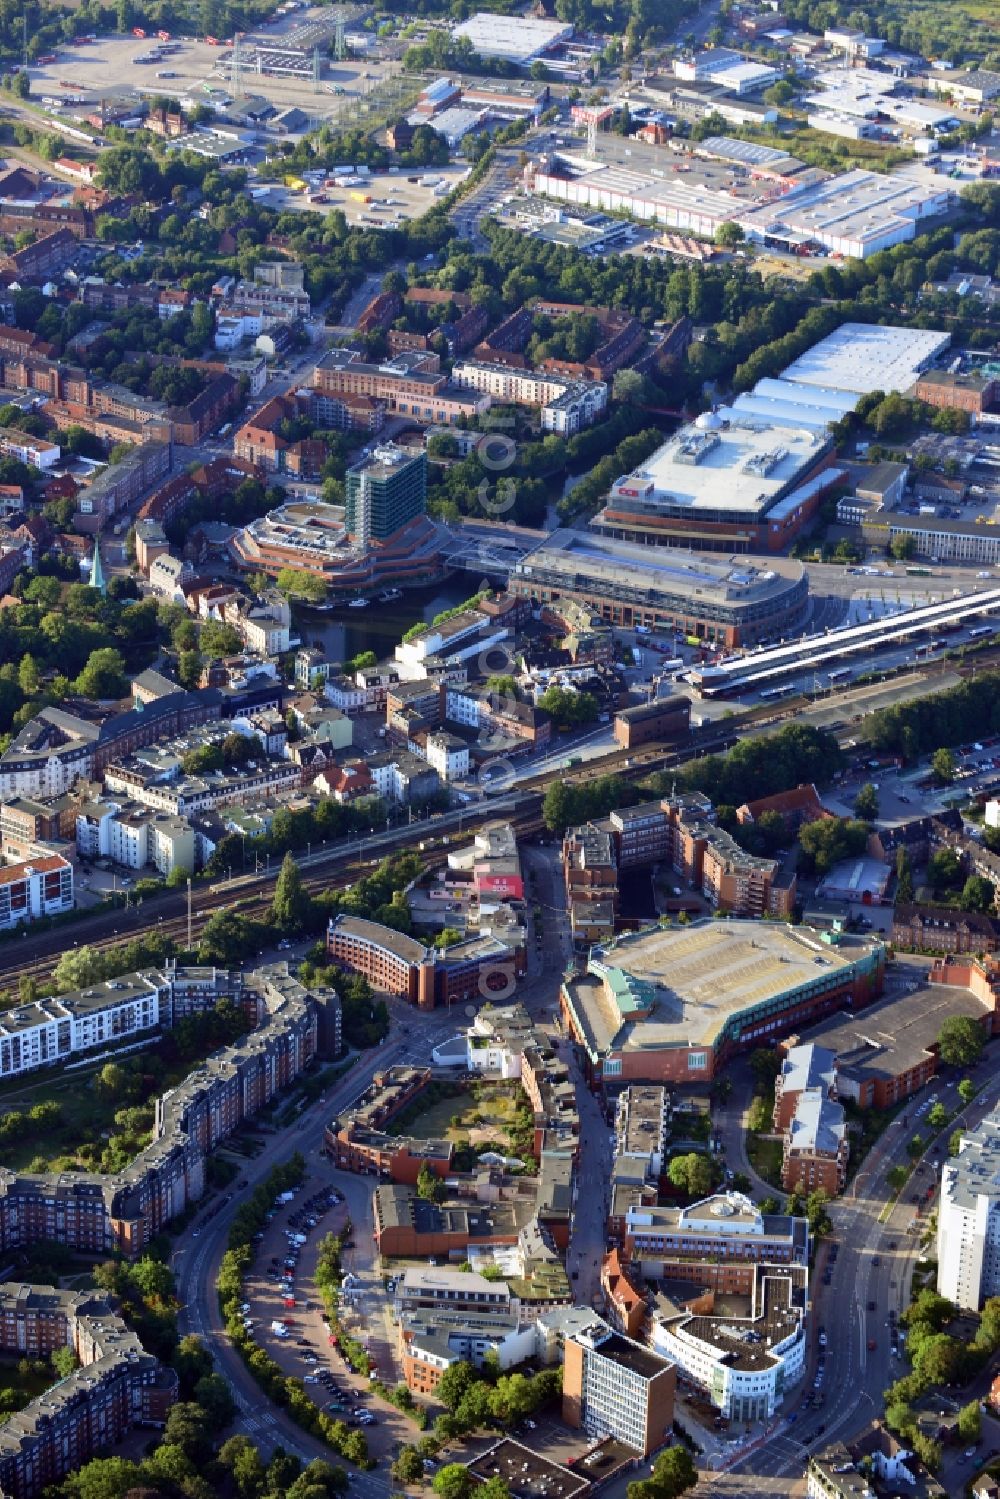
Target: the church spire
pixel 97 569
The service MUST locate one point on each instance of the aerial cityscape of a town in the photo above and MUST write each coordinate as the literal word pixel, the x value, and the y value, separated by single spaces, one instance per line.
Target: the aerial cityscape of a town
pixel 500 749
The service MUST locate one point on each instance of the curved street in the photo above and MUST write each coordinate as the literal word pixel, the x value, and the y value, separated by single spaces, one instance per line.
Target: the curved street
pixel 855 1376
pixel 196 1266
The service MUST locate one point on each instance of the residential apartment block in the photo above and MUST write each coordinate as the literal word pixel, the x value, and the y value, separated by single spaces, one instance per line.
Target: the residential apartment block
pixel 566 405
pixel 409 384
pixel 118 1386
pixel 41 887
pixel 99 1214
pixel 968 1235
pixel 815 1151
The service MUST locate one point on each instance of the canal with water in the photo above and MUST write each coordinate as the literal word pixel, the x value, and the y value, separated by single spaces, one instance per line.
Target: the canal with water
pixel 380 627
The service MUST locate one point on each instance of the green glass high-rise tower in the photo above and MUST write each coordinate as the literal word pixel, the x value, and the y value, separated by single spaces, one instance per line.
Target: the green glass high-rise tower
pixel 384 492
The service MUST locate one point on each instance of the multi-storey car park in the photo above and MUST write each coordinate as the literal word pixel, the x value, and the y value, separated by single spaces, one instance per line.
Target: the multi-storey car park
pixel 673 1006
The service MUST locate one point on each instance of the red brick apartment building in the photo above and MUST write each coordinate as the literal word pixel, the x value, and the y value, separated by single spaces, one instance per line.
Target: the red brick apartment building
pixel 390 961
pixel 119 1385
pixel 359 1141
pixel 48 256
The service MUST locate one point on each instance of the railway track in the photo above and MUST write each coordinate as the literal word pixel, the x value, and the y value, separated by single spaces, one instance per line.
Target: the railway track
pixel 35 954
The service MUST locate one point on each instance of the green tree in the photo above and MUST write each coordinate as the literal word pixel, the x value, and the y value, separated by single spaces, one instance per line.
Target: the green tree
pixel 28 678
pixel 408 1467
pixel 292 902
pixel 63 1361
pixel 212 1396
pixel 295 584
pixel 103 676
pixel 969 1422
pixel 967 1090
pixel 955 1141
pixel 429 1186
pixel 816 1213
pixel 904 877
pixel 943 766
pixel 977 894
pixel 897 1177
pixel 828 840
pixel 240 1457
pixel 903 548
pixel 866 803
pixel 113 1081
pixel 759 1116
pixel 227 939
pixel 457 1379
pixel 944 869
pixel 692 1173
pixel 453 1481
pixel 938 1116
pixel 729 234
pixel 674 1472
pixel 960 1041
pixel 189 669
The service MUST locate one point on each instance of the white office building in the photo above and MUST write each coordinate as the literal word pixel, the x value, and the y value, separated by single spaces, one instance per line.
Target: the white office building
pixel 743 1365
pixel 968 1237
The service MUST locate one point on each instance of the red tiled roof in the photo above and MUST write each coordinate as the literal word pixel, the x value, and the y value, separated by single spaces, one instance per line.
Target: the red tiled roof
pixel 11 874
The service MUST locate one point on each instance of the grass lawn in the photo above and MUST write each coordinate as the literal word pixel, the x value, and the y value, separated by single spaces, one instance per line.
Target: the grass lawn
pixel 765 1157
pixel 87 1118
pixel 487 1117
pixel 17 1388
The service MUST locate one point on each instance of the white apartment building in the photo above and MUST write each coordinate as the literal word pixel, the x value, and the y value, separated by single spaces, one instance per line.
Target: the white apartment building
pixel 579 405
pixel 51 1030
pixel 167 575
pixel 40 887
pixel 346 695
pixel 266 627
pixel 93 829
pixel 190 794
pixel 968 1237
pixel 582 400
pixel 448 755
pixel 135 837
pixel 36 451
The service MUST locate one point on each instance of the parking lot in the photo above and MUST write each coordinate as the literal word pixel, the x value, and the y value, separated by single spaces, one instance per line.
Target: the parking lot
pixel 191 67
pixel 394 196
pixel 280 1293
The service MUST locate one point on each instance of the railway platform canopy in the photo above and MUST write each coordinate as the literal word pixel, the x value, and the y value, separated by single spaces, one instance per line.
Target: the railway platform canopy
pixel 767 667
